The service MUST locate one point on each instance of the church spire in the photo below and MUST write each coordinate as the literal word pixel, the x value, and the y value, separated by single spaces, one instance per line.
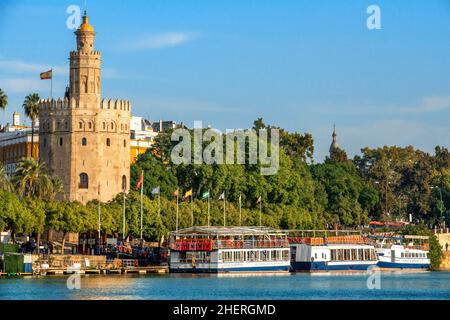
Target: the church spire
pixel 334 144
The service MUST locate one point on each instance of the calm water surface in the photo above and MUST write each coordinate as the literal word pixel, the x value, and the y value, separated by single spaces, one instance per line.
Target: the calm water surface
pixel 427 285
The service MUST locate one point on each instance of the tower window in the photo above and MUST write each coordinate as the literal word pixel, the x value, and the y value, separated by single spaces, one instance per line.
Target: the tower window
pixel 108 142
pixel 124 183
pixel 124 143
pixel 44 142
pixel 104 126
pixel 90 125
pixel 80 125
pixel 84 181
pixel 112 126
pixel 60 141
pixel 84 142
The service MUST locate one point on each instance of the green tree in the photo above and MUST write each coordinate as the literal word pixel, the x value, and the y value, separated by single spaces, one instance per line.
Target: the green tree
pixel 31 109
pixel 5 183
pixel 3 100
pixel 31 179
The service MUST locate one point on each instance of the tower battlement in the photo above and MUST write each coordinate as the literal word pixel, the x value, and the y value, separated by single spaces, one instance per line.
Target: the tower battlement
pixel 66 104
pixel 76 54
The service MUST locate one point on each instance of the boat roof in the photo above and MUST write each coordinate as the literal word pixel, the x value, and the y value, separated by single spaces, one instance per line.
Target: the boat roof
pixel 227 231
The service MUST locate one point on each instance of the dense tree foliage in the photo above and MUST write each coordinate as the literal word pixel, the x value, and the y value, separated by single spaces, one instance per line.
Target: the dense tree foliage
pixel 388 183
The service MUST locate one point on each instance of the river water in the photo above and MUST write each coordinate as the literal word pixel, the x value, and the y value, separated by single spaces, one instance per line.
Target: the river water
pixel 426 285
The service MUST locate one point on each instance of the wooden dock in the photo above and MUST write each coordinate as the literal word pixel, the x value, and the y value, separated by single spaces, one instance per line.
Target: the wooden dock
pixel 138 270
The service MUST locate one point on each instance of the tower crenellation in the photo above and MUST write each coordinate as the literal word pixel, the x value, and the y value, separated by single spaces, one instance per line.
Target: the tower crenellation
pixel 84 138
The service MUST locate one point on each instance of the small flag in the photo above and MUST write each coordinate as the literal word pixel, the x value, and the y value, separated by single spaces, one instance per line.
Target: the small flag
pixel 222 196
pixel 258 200
pixel 155 190
pixel 176 192
pixel 188 194
pixel 47 75
pixel 141 180
pixel 205 195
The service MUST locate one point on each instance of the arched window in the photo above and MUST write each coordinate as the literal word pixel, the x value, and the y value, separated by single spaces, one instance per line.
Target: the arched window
pixel 112 125
pixel 124 143
pixel 84 181
pixel 90 125
pixel 104 126
pixel 84 142
pixel 108 142
pixel 66 125
pixel 124 182
pixel 60 141
pixel 80 125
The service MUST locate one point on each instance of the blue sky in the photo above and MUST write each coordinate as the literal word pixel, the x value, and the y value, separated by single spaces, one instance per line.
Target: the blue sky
pixel 301 65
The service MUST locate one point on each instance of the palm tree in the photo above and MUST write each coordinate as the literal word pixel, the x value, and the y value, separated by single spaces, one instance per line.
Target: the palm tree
pixel 5 184
pixel 57 186
pixel 3 100
pixel 31 108
pixel 32 179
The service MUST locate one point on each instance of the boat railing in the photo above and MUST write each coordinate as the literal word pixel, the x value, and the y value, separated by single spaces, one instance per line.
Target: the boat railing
pixel 318 241
pixel 209 244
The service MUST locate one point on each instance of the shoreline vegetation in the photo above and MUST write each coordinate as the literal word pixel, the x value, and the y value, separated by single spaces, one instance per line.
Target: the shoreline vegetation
pixel 383 184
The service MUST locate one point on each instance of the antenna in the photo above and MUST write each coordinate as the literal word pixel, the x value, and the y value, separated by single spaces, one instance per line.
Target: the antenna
pixel 85 7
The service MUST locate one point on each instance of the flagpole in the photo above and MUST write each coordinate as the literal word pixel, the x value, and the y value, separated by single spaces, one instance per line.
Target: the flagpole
pixel 240 209
pixel 123 221
pixel 260 212
pixel 99 216
pixel 142 193
pixel 51 84
pixel 159 201
pixel 224 205
pixel 178 191
pixel 209 206
pixel 192 209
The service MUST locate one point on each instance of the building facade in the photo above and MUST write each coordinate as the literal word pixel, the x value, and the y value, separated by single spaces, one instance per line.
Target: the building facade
pixel 15 144
pixel 84 139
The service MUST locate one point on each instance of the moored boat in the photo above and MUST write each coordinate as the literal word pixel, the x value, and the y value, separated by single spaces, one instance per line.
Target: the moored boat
pixel 396 252
pixel 229 249
pixel 337 253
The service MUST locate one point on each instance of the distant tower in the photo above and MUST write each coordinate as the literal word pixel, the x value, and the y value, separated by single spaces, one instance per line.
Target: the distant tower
pixel 84 139
pixel 334 144
pixel 16 119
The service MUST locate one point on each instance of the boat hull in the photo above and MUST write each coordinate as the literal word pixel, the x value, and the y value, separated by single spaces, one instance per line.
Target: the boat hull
pixel 384 265
pixel 325 266
pixel 252 269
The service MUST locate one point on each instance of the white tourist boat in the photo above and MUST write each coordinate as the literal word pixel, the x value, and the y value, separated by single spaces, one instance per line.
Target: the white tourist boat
pixel 228 249
pixel 402 252
pixel 338 253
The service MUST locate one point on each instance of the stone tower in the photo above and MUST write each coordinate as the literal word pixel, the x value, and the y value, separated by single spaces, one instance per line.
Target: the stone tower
pixel 84 139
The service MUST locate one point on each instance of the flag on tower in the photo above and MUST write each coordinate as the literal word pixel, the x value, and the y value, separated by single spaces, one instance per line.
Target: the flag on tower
pixel 141 180
pixel 47 75
pixel 205 195
pixel 258 200
pixel 176 192
pixel 222 196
